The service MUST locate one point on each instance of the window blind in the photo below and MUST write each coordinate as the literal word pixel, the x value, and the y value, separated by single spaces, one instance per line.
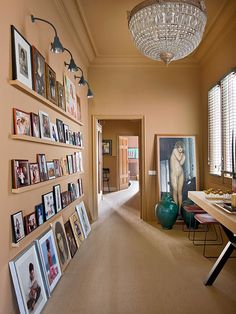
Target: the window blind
pixel 214 130
pixel 228 100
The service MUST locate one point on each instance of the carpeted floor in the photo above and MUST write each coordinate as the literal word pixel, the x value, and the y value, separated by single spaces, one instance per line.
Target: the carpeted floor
pixel 127 266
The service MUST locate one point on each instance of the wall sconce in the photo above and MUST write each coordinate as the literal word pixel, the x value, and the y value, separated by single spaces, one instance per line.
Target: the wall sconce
pixel 56 45
pixel 89 93
pixel 72 67
pixel 82 81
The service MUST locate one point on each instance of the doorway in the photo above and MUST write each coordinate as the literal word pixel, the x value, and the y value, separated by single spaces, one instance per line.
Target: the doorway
pixel 116 133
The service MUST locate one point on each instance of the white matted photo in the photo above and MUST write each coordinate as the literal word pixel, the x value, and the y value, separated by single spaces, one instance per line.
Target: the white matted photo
pixel 48 254
pixel 21 58
pixel 28 281
pixel 83 217
pixel 45 126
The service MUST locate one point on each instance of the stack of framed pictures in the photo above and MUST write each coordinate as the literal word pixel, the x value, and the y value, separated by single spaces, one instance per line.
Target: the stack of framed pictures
pixel 84 222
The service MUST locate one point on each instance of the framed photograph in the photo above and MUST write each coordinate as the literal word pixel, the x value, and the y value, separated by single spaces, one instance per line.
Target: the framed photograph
pixel 49 205
pixel 78 108
pixel 51 84
pixel 22 122
pixel 66 133
pixel 176 166
pixel 78 161
pixel 34 173
pixel 61 96
pixel 21 59
pixel 70 97
pixel 58 171
pixel 39 78
pixel 107 147
pixel 76 228
pixel 64 166
pixel 60 130
pixel 85 225
pixel 18 230
pixel 35 126
pixel 132 152
pixel 70 239
pixel 41 158
pixel 30 223
pixel 65 198
pixel 49 258
pixel 61 242
pixel 71 189
pixel 28 281
pixel 51 170
pixel 70 164
pixel 54 133
pixel 44 121
pixel 80 182
pixel 39 213
pixel 57 197
pixel 20 173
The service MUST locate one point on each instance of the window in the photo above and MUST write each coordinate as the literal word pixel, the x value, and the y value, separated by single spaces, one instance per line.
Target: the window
pixel 222 125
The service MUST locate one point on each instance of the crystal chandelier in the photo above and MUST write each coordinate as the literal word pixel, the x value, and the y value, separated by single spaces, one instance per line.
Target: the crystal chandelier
pixel 167 30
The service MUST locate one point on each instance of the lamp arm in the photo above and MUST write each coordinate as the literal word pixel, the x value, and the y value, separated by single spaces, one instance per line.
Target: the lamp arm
pixel 39 19
pixel 69 52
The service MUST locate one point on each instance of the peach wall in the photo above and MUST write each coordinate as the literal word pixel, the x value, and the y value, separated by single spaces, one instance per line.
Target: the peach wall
pixel 219 61
pixel 18 13
pixel 168 97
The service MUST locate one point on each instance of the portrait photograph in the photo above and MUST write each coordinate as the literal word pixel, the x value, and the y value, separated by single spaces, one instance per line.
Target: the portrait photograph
pixel 21 59
pixel 66 133
pixel 71 189
pixel 83 218
pixel 58 171
pixel 64 166
pixel 80 182
pixel 49 205
pixel 35 126
pixel 65 198
pixel 34 173
pixel 18 230
pixel 39 77
pixel 70 163
pixel 28 281
pixel 61 96
pixel 57 197
pixel 61 242
pixel 41 159
pixel 22 122
pixel 30 222
pixel 54 133
pixel 51 170
pixel 51 266
pixel 107 147
pixel 177 167
pixel 51 84
pixel 60 130
pixel 76 228
pixel 70 239
pixel 45 126
pixel 20 173
pixel 70 97
pixel 39 213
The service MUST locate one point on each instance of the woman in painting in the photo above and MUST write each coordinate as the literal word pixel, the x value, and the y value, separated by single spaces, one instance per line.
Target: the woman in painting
pixel 52 270
pixel 177 160
pixel 61 243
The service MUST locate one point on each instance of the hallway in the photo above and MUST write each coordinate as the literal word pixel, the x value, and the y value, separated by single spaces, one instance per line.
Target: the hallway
pixel 129 266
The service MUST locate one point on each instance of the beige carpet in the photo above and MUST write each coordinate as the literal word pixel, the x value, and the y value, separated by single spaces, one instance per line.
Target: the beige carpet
pixel 129 266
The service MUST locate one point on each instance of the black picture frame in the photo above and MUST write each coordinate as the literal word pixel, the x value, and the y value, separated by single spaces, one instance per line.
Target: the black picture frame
pixel 51 84
pixel 39 76
pixel 60 130
pixel 30 222
pixel 18 230
pixel 39 212
pixel 21 58
pixel 57 197
pixel 20 173
pixel 107 147
pixel 48 205
pixel 41 158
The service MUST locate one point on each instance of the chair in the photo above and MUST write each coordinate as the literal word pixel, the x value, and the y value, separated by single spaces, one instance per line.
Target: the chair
pixel 190 221
pixel 105 178
pixel 206 220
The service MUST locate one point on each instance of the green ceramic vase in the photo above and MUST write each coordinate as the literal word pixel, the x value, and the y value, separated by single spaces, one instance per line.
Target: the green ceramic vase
pixel 166 211
pixel 188 218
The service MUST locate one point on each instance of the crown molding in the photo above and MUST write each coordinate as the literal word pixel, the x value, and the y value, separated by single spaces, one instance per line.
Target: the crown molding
pixel 72 18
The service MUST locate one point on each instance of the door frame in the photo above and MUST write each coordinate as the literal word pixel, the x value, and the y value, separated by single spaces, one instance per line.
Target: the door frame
pixel 142 179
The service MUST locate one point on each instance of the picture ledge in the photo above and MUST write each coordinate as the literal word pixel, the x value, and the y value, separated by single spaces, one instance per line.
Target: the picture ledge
pixel 43 100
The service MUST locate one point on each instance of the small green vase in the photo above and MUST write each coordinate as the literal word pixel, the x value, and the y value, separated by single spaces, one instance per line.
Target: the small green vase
pixel 166 211
pixel 189 219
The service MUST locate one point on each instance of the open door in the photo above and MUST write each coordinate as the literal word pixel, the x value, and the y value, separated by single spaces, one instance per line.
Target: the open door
pixel 99 160
pixel 123 162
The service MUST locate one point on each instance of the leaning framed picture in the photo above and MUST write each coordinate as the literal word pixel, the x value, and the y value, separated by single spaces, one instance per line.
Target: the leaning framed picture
pixel 70 239
pixel 39 78
pixel 21 59
pixel 45 126
pixel 22 122
pixel 70 97
pixel 41 158
pixel 177 166
pixel 48 255
pixel 49 205
pixel 30 222
pixel 51 84
pixel 76 228
pixel 18 230
pixel 28 281
pixel 51 170
pixel 39 213
pixel 61 242
pixel 20 173
pixel 107 147
pixel 35 124
pixel 57 197
pixel 60 130
pixel 61 96
pixel 84 222
pixel 34 173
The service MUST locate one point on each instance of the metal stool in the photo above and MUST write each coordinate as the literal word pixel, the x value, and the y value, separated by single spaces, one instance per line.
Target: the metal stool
pixel 206 219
